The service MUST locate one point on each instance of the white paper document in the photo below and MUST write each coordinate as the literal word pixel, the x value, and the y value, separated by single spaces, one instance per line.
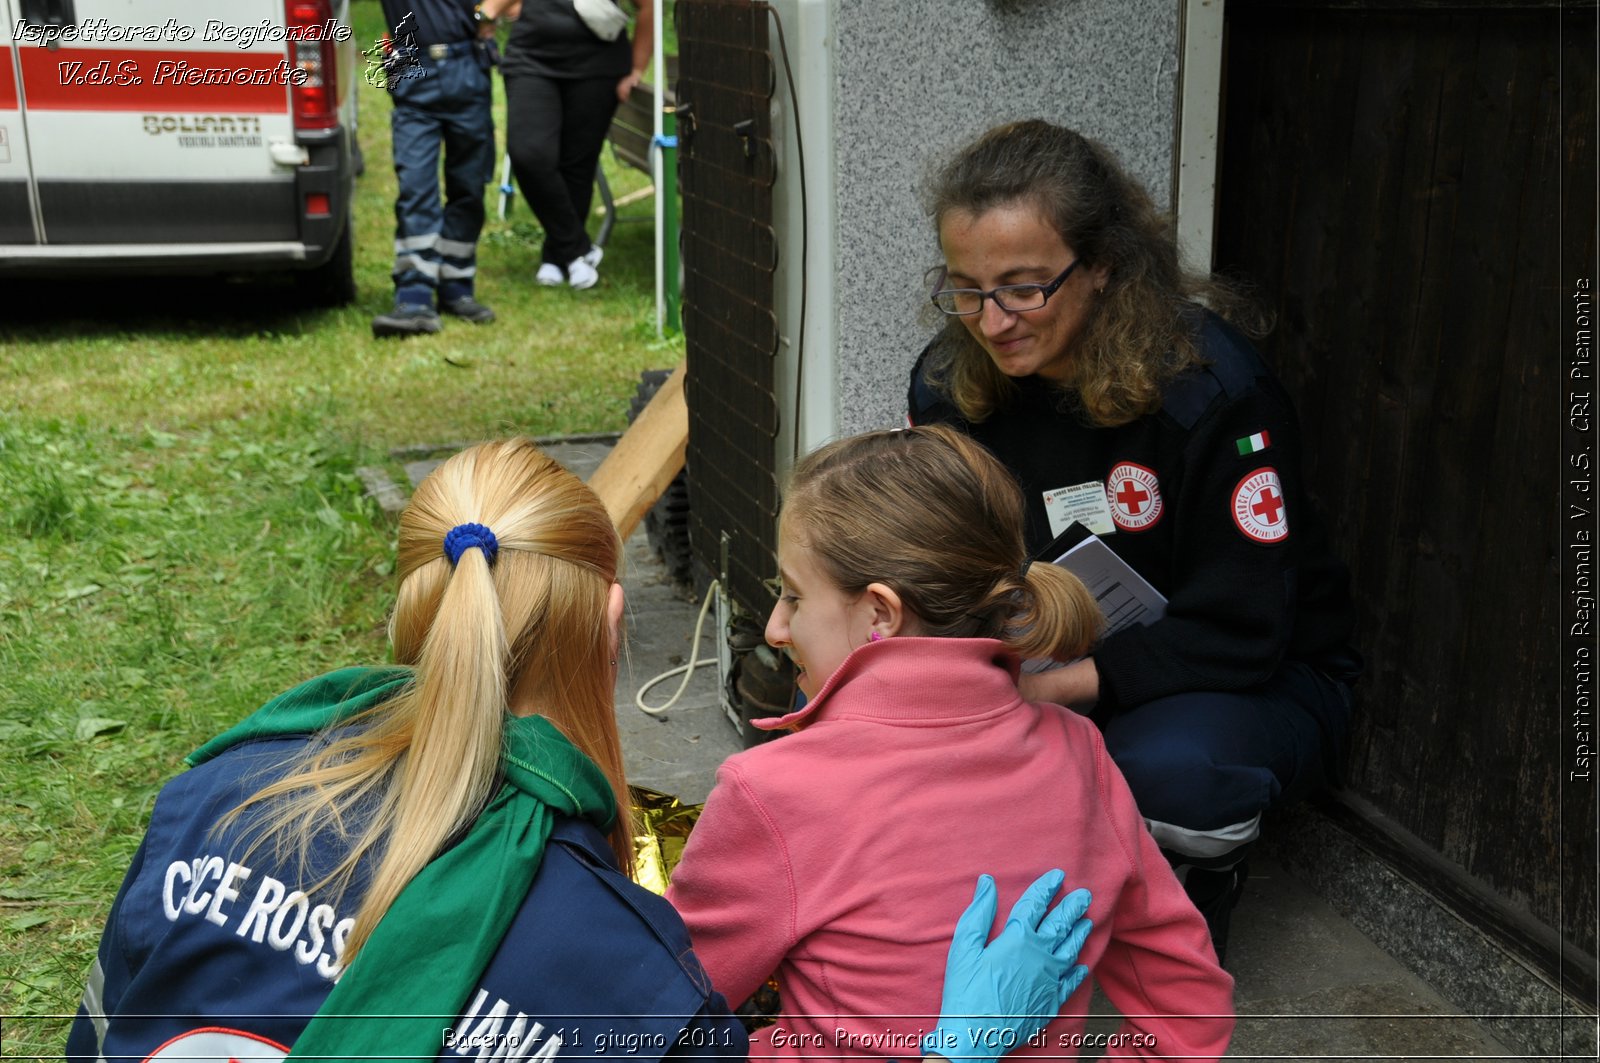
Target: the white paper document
pixel 1125 597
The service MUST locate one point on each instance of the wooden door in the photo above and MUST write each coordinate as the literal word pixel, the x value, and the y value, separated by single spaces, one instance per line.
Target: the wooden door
pixel 1391 180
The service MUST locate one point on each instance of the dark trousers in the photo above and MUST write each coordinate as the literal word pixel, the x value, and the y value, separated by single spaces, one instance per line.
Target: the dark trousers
pixel 1203 766
pixel 555 130
pixel 444 103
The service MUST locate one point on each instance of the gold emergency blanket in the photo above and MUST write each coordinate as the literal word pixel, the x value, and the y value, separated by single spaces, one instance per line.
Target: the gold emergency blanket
pixel 661 824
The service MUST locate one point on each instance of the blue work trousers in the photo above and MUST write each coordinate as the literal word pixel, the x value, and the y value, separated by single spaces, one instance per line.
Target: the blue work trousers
pixel 444 102
pixel 1204 765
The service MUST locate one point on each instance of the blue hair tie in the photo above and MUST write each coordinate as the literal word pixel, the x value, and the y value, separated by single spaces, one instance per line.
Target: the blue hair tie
pixel 464 537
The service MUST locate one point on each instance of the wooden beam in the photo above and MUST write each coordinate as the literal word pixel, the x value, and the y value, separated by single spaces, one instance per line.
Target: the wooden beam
pixel 646 458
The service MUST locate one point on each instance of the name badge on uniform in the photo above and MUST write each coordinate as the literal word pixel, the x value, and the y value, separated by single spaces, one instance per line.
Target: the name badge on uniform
pixel 1085 503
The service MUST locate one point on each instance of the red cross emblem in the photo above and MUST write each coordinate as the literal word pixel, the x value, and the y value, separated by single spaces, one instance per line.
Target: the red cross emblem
pixel 1134 494
pixel 1131 497
pixel 1258 508
pixel 1267 506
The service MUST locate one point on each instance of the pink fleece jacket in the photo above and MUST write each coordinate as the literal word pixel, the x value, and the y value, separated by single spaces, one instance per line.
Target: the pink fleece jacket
pixel 841 855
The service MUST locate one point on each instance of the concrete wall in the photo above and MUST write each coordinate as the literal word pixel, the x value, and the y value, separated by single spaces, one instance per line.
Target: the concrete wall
pixel 912 80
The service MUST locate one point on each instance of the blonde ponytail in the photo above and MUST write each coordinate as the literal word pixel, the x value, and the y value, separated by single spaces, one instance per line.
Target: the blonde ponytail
pixel 525 621
pixel 457 708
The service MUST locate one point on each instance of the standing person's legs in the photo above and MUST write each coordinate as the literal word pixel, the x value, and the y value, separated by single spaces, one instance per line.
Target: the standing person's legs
pixel 534 120
pixel 1203 766
pixel 591 103
pixel 418 216
pixel 468 167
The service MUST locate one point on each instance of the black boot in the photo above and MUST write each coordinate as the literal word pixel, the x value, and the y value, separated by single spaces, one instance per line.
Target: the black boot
pixel 1215 893
pixel 407 319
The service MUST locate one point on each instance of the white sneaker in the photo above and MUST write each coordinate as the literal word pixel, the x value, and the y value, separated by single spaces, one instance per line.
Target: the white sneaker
pixel 594 255
pixel 580 274
pixel 549 275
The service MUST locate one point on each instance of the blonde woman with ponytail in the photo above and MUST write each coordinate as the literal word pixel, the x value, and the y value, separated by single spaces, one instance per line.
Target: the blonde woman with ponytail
pixel 907 605
pixel 427 860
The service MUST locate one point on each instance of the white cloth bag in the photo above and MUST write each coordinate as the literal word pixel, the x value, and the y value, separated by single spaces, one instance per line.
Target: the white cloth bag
pixel 603 17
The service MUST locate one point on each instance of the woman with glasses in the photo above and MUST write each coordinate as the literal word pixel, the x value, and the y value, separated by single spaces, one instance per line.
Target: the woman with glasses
pixel 1112 385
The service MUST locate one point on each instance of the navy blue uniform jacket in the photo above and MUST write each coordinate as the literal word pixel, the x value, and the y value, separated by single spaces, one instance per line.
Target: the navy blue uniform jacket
pixel 213 951
pixel 1208 505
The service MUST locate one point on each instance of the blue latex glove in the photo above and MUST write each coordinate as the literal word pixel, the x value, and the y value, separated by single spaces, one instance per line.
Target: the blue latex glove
pixel 998 996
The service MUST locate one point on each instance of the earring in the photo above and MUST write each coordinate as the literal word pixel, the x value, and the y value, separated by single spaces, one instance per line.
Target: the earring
pixel 876 636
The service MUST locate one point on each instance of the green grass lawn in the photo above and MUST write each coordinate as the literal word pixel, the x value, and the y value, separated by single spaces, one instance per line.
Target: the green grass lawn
pixel 184 534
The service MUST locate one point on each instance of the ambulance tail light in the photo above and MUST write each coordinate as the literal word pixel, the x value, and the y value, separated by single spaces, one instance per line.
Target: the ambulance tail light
pixel 313 92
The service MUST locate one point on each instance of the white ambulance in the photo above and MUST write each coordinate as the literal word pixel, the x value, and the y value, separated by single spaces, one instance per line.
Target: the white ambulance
pixel 178 137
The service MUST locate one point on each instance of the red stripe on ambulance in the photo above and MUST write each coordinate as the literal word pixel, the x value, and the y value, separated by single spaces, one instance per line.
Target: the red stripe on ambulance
pixel 116 79
pixel 8 85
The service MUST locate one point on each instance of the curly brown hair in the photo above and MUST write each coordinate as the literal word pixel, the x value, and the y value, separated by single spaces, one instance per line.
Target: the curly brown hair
pixel 1140 333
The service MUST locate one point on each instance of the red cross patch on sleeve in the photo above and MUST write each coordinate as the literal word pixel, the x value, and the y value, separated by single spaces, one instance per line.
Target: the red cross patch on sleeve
pixel 1258 507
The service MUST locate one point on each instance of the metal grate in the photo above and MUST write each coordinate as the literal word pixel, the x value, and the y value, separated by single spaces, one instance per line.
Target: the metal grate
pixel 725 87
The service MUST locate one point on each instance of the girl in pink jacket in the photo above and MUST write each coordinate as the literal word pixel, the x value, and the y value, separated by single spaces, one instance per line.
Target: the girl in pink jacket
pixel 907 604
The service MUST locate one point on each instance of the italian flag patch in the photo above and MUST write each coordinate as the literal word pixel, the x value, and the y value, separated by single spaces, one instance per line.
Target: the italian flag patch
pixel 1253 444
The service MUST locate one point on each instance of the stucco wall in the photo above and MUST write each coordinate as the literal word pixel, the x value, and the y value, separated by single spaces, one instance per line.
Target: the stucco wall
pixel 915 79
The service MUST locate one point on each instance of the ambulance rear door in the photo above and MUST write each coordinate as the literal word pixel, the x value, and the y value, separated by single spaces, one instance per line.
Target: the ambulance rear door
pixel 157 122
pixel 16 190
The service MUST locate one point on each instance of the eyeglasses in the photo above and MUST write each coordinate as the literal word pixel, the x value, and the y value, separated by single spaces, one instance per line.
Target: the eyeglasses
pixel 1012 298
